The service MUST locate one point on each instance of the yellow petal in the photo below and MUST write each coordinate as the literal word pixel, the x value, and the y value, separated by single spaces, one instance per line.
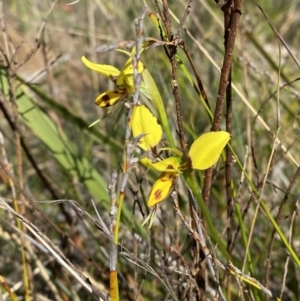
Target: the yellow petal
pixel 206 150
pixel 170 164
pixel 143 122
pixel 125 78
pixel 161 188
pixel 107 98
pixel 106 70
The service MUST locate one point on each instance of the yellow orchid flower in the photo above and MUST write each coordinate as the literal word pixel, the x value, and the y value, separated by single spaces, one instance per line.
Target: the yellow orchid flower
pixel 122 79
pixel 204 152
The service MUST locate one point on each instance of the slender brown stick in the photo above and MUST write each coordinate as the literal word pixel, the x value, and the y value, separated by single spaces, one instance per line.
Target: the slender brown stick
pixel 234 10
pixel 183 18
pixel 228 151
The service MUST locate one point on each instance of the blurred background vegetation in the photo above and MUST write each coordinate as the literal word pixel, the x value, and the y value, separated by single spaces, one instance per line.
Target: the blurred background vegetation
pixel 58 159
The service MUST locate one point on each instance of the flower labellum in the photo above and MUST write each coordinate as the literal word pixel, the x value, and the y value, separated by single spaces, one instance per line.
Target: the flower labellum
pixel 161 188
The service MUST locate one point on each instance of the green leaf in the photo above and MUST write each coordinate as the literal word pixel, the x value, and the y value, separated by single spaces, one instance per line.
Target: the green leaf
pixel 95 134
pixel 63 150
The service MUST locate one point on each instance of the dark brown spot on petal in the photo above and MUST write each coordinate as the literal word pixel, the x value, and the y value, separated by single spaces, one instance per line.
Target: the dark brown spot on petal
pixel 105 104
pixel 157 194
pixel 105 98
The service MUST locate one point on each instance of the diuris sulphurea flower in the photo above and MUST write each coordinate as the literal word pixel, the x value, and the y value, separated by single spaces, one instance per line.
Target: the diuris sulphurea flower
pixel 123 81
pixel 204 153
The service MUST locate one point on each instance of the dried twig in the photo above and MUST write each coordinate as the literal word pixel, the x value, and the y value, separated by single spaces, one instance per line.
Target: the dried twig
pixel 232 10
